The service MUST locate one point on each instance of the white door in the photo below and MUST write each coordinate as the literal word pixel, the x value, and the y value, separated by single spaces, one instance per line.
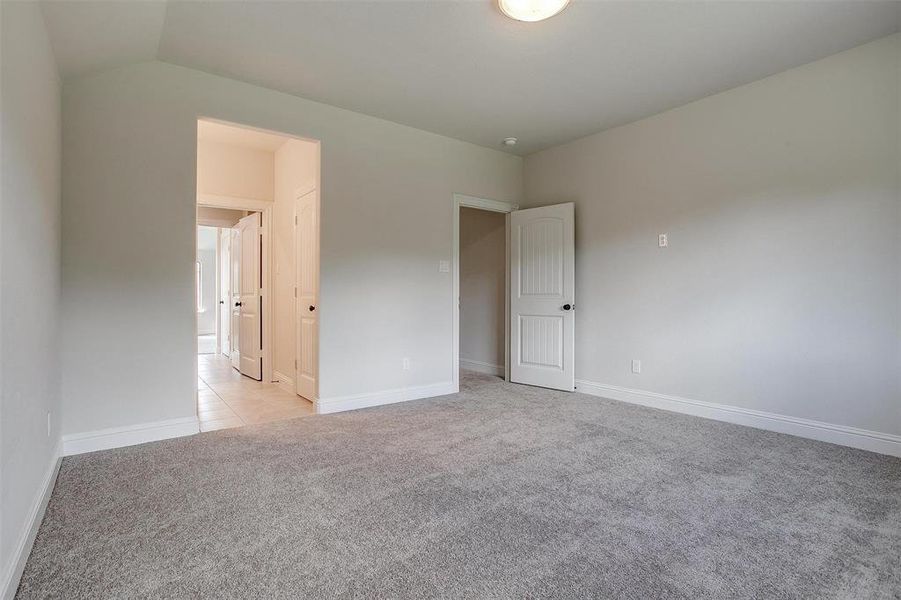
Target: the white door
pixel 306 246
pixel 234 326
pixel 225 301
pixel 542 294
pixel 250 334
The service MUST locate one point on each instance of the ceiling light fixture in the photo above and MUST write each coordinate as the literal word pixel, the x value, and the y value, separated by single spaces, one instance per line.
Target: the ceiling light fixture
pixel 510 141
pixel 531 10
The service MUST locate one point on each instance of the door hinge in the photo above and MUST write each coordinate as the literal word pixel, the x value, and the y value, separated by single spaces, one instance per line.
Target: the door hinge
pixel 295 292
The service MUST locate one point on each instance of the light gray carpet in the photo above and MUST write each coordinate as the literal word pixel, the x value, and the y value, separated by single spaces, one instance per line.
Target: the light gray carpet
pixel 502 491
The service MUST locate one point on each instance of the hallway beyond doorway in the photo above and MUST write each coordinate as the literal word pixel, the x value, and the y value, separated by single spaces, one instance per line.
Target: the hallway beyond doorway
pixel 225 398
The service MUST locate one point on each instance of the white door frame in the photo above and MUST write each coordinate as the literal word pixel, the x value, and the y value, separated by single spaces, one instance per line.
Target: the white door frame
pixel 461 201
pixel 265 208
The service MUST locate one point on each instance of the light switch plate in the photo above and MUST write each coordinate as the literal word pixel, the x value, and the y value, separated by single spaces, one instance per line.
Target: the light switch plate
pixel 444 266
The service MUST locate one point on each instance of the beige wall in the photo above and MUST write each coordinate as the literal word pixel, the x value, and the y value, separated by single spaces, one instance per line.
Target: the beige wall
pixel 296 168
pixel 483 258
pixel 387 200
pixel 779 290
pixel 30 274
pixel 233 170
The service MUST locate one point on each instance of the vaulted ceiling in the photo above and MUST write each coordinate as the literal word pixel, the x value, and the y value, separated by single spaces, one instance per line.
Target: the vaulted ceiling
pixel 462 69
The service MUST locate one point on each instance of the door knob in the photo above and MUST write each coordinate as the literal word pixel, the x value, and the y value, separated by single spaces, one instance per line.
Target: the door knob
pixel 239 303
pixel 222 302
pixel 312 308
pixel 567 307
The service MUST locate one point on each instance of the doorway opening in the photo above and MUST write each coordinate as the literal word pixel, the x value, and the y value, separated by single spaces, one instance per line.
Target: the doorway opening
pixel 206 284
pixel 538 294
pixel 258 254
pixel 481 286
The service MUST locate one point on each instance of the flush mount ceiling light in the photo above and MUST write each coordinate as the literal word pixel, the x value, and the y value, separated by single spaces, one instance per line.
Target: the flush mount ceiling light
pixel 531 10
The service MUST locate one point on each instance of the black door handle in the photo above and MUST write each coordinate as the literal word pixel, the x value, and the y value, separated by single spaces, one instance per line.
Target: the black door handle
pixel 567 307
pixel 239 304
pixel 222 302
pixel 312 308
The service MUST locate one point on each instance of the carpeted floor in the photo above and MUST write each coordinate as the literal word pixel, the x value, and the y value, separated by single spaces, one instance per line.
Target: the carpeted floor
pixel 501 491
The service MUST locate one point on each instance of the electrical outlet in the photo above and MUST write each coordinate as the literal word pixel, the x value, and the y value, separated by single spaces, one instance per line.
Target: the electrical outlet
pixel 406 364
pixel 636 366
pixel 662 240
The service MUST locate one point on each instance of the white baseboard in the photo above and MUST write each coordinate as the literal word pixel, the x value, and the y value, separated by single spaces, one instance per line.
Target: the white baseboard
pixel 481 367
pixel 284 382
pixel 874 441
pixel 13 572
pixel 342 403
pixel 118 437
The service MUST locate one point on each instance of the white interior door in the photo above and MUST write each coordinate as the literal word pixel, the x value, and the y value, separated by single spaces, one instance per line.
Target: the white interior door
pixel 235 303
pixel 225 301
pixel 542 294
pixel 250 326
pixel 306 245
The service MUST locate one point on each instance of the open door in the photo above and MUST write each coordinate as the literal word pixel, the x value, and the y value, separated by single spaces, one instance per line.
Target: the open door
pixel 542 294
pixel 306 242
pixel 249 284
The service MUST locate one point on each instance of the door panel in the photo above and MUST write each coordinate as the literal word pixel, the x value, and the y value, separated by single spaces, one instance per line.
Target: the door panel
pixel 249 327
pixel 306 245
pixel 542 294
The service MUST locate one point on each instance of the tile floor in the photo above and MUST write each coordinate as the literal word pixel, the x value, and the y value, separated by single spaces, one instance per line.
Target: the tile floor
pixel 225 398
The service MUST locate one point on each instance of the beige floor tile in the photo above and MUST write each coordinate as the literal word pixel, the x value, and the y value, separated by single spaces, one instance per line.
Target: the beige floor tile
pixel 211 414
pixel 211 378
pixel 268 417
pixel 207 405
pixel 226 423
pixel 249 407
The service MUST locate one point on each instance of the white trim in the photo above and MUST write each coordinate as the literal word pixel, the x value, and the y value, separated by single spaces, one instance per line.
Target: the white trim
pixel 874 441
pixel 284 382
pixel 484 203
pixel 482 367
pixel 353 402
pixel 22 550
pixel 461 200
pixel 118 437
pixel 218 223
pixel 233 202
